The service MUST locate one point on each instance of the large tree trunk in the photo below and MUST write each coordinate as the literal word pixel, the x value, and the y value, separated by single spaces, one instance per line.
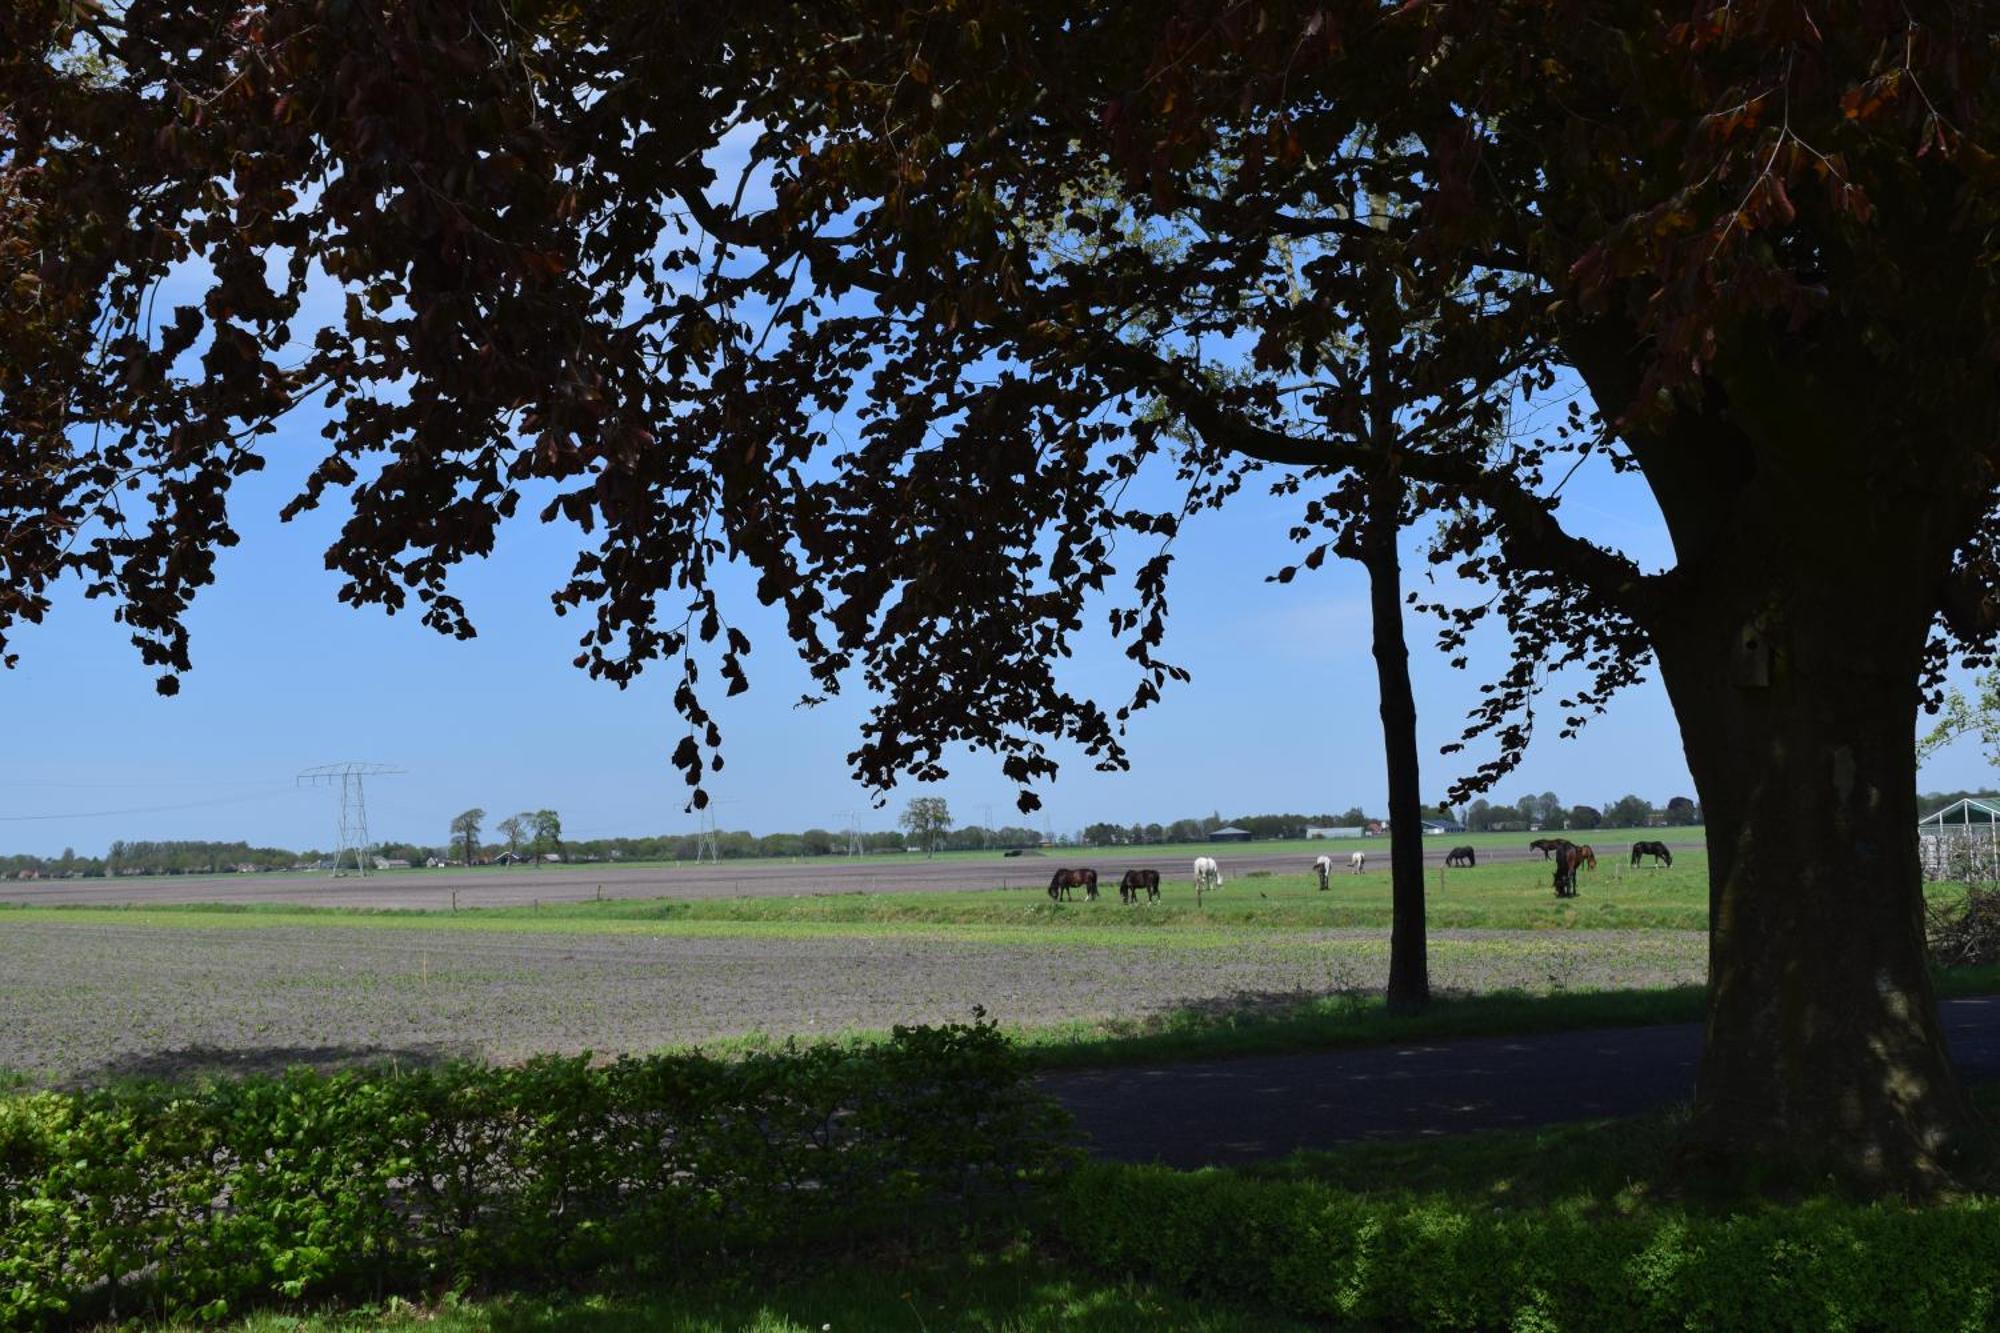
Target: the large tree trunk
pixel 1794 675
pixel 1409 959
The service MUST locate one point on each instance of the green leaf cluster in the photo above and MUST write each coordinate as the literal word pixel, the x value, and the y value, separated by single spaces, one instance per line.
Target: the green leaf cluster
pixel 199 1201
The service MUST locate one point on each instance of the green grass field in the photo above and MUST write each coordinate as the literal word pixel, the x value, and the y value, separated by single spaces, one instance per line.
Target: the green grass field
pixel 1607 841
pixel 1498 896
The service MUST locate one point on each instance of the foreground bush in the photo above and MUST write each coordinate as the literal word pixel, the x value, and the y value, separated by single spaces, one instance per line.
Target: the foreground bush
pixel 194 1201
pixel 1435 1261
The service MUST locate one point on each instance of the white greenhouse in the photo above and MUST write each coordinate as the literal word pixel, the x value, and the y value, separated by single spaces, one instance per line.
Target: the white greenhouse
pixel 1961 842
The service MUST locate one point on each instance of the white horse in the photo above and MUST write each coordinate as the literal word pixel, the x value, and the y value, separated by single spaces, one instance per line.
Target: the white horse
pixel 1207 875
pixel 1323 867
pixel 1358 862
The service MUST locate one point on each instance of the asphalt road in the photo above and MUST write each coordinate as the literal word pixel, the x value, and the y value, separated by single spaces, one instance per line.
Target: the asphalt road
pixel 1223 1112
pixel 509 886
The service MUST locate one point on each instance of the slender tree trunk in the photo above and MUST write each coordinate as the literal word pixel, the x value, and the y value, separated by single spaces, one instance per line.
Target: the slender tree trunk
pixel 1409 961
pixel 1795 680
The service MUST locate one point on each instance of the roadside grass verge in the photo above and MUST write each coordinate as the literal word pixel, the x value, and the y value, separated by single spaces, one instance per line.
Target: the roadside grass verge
pixel 1296 1024
pixel 1015 1287
pixel 1331 1022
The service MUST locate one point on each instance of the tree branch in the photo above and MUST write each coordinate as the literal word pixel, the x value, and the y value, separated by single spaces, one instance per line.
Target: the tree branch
pixel 1528 526
pixel 1970 607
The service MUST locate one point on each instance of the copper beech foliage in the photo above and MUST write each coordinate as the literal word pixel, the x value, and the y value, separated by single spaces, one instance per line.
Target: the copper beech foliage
pixel 989 261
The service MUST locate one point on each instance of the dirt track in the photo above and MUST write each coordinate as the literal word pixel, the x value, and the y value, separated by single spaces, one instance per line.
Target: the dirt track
pixel 504 886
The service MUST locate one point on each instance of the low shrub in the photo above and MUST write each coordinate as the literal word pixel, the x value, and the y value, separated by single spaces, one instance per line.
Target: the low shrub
pixel 1442 1262
pixel 1965 932
pixel 196 1200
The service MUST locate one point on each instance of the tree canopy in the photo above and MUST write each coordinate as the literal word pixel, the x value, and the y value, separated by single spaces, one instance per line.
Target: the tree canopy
pixel 976 266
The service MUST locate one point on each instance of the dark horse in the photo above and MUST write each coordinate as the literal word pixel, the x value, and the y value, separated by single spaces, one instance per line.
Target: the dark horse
pixel 1548 845
pixel 1461 856
pixel 1063 881
pixel 1657 850
pixel 1570 859
pixel 1135 881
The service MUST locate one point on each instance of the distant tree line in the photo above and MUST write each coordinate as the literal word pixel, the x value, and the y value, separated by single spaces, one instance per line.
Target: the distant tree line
pixel 153 858
pixel 1548 812
pixel 1261 828
pixel 1932 802
pixel 535 834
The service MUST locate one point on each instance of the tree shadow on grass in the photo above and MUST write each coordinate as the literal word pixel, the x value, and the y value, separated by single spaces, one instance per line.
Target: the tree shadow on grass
pixel 192 1063
pixel 1265 1022
pixel 979 1290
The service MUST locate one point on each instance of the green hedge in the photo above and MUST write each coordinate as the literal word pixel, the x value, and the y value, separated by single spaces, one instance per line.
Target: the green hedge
pixel 1431 1263
pixel 195 1201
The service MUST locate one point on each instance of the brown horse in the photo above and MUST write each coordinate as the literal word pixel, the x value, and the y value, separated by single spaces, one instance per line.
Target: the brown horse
pixel 1657 850
pixel 1572 858
pixel 1136 881
pixel 1063 881
pixel 1547 845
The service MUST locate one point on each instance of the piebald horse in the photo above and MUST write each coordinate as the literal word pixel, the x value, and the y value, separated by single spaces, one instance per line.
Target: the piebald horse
pixel 1323 867
pixel 1358 862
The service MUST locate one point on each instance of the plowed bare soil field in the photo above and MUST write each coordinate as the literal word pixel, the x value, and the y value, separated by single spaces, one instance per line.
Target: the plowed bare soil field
pixel 83 1001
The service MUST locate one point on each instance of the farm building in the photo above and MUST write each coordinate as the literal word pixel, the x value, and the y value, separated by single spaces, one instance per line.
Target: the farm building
pixel 1434 827
pixel 1334 832
pixel 1961 841
pixel 1230 834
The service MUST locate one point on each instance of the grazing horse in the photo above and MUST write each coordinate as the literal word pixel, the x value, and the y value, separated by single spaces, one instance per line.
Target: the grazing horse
pixel 1137 880
pixel 1569 860
pixel 1063 881
pixel 1547 845
pixel 1357 862
pixel 1461 856
pixel 1323 867
pixel 1657 850
pixel 1207 874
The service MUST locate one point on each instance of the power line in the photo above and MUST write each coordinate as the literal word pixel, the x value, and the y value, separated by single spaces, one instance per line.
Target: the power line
pixel 147 786
pixel 147 809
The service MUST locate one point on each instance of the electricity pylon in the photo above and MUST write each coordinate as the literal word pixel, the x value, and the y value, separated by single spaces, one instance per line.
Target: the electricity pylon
pixel 353 834
pixel 853 830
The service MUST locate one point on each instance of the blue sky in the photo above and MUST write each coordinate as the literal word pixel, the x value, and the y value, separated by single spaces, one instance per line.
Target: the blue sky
pixel 1280 715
